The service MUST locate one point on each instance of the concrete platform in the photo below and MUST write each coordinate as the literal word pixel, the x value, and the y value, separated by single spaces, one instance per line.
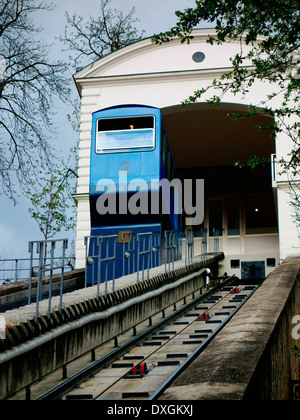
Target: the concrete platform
pixel 23 314
pixel 22 324
pixel 15 295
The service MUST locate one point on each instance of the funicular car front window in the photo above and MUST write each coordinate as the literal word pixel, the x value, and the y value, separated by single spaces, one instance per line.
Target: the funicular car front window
pixel 122 134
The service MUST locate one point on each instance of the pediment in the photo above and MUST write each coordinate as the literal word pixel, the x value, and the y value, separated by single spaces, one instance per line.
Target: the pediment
pixel 144 57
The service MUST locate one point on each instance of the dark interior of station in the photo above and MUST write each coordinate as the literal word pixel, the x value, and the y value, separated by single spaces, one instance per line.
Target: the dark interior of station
pixel 206 142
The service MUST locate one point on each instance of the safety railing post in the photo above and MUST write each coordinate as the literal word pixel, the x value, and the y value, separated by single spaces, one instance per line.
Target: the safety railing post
pixel 99 267
pixel 203 244
pixel 65 246
pixel 138 259
pixel 30 250
pixel 106 265
pixel 149 254
pixel 40 277
pixel 125 256
pixel 156 249
pixel 114 263
pixel 171 249
pixel 51 276
pixel 94 256
pixel 166 250
pixel 16 270
pixel 86 260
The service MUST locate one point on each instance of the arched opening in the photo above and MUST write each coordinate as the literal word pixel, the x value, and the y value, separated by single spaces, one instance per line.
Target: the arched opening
pixel 239 203
pixel 202 135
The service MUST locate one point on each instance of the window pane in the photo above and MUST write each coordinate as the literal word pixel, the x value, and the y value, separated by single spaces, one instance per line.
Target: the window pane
pixel 133 139
pixel 260 215
pixel 233 216
pixel 125 133
pixel 216 216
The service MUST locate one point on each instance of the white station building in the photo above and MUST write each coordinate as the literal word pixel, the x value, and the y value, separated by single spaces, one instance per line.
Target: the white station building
pixel 250 208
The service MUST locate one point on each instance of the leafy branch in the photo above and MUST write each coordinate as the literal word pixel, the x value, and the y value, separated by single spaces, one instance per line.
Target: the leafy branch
pixel 267 33
pixel 52 206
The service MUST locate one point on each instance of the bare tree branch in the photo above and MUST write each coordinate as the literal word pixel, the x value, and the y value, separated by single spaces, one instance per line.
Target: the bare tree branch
pixel 28 86
pixel 100 36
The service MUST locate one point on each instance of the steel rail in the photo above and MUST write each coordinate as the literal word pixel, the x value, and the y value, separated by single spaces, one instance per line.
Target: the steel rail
pixel 69 384
pixel 159 347
pixel 166 384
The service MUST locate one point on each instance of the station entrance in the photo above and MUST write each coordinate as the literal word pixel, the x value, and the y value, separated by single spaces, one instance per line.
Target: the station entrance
pixel 207 142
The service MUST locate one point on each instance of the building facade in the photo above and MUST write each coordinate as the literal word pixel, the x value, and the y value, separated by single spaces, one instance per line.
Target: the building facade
pixel 250 209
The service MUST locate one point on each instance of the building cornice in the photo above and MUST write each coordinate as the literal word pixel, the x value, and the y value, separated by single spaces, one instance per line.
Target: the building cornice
pixel 152 77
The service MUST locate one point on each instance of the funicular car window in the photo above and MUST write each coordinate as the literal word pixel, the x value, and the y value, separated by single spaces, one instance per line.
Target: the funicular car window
pixel 125 134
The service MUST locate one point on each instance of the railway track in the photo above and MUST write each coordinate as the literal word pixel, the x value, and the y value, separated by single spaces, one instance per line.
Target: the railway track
pixel 143 367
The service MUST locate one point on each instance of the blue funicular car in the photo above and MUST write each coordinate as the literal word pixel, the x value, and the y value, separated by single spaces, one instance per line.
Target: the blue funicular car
pixel 130 155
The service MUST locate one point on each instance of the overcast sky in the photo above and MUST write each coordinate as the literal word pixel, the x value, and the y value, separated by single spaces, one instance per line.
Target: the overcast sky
pixel 16 226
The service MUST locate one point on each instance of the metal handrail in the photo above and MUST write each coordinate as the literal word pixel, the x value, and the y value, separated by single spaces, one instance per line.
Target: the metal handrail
pixel 41 250
pixel 14 273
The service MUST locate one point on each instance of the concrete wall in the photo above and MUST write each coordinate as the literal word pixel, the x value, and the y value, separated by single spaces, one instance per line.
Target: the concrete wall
pixel 278 364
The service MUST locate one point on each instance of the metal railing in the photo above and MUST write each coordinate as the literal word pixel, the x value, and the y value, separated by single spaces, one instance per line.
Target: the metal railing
pixel 42 249
pixel 98 251
pixel 189 247
pixel 203 235
pixel 133 254
pixel 107 259
pixel 10 270
pixel 18 269
pixel 172 251
pixel 148 247
pixel 105 262
pixel 128 254
pixel 111 257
